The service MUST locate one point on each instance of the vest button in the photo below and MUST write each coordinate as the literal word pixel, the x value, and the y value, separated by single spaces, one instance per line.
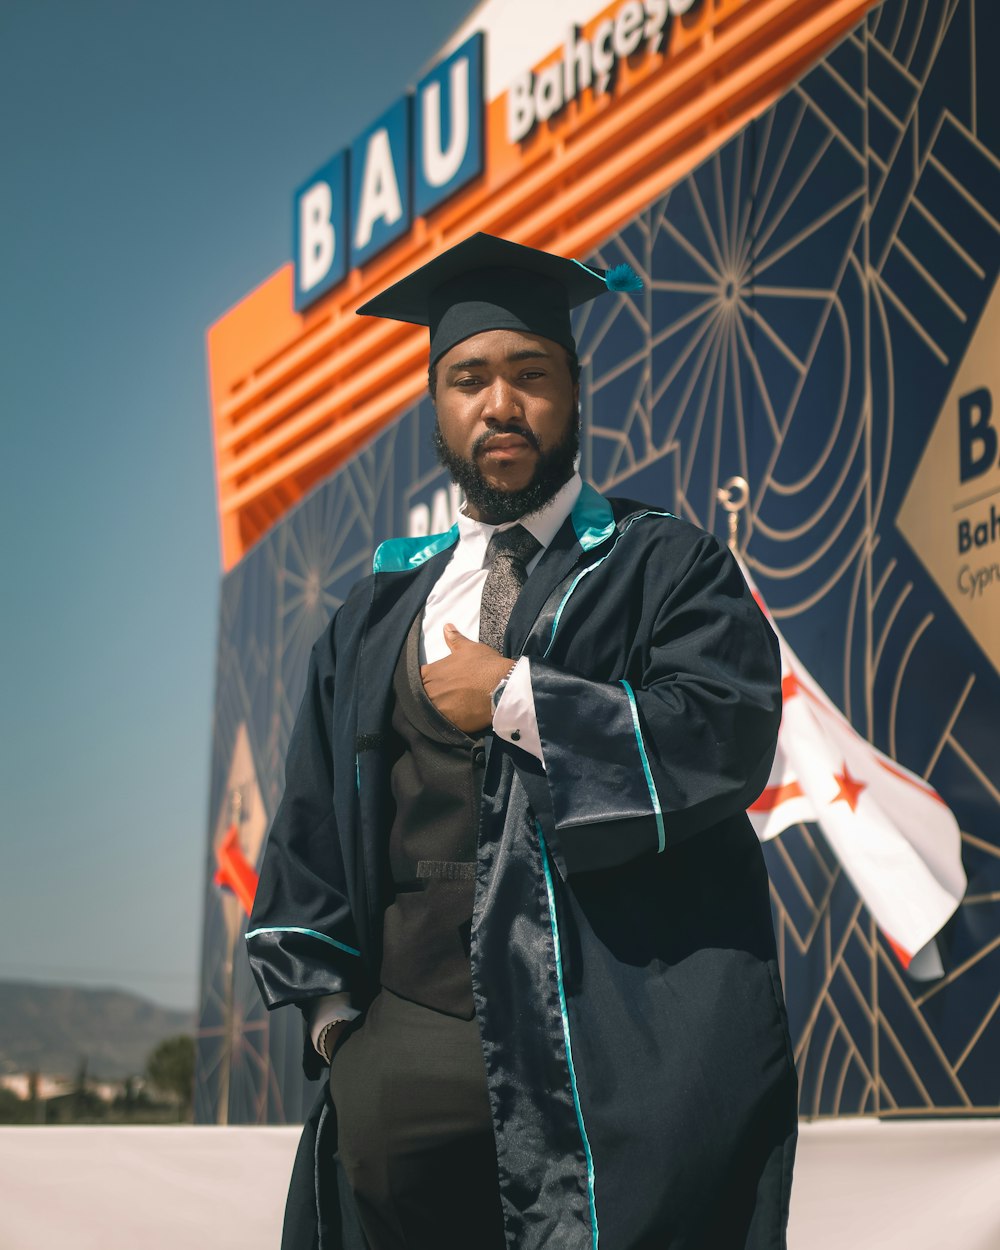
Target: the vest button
pixel 479 756
pixel 515 735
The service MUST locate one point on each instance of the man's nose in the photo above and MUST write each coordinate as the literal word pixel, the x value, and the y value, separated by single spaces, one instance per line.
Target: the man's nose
pixel 502 403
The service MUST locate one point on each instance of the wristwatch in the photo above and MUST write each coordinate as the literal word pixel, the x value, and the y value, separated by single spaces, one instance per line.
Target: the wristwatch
pixel 321 1040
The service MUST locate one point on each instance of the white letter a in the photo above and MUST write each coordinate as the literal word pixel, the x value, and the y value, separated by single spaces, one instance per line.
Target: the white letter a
pixel 379 190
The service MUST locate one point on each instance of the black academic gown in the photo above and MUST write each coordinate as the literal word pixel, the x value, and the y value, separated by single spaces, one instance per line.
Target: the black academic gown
pixel 623 961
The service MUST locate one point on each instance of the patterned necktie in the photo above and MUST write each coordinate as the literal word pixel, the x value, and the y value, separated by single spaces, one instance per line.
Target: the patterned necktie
pixel 511 551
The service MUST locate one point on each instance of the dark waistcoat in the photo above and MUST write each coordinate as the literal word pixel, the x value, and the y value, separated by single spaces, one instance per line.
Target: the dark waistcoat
pixel 437 784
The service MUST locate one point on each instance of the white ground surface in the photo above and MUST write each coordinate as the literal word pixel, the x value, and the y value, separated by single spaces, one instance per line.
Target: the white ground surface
pixel 932 1185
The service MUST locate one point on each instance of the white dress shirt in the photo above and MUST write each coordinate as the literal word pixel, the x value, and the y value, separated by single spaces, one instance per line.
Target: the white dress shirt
pixel 455 600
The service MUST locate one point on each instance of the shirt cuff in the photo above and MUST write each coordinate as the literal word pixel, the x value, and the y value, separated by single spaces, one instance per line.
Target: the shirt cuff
pixel 514 718
pixel 328 1010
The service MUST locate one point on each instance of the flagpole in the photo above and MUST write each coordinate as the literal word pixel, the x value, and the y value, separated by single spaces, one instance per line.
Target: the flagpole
pixel 733 494
pixel 225 1078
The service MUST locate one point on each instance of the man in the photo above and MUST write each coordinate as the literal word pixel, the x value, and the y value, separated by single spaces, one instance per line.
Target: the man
pixel 511 883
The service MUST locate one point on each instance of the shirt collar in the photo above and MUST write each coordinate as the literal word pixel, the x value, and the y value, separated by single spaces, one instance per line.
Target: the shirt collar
pixel 474 536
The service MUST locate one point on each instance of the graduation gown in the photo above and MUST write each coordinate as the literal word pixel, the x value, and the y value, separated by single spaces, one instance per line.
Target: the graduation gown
pixel 623 962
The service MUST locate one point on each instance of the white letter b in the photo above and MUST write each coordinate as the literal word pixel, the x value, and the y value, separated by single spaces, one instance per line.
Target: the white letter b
pixel 317 237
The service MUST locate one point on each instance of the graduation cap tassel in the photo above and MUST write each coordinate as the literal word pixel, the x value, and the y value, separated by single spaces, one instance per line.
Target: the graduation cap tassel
pixel 622 278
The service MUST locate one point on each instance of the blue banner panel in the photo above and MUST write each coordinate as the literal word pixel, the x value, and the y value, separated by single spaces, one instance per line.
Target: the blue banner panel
pixel 319 214
pixel 448 127
pixel 380 183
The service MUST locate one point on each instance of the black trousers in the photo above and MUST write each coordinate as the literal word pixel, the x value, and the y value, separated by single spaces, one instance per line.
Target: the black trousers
pixel 414 1129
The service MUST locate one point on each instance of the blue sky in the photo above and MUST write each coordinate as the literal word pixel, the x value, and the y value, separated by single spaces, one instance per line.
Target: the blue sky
pixel 149 153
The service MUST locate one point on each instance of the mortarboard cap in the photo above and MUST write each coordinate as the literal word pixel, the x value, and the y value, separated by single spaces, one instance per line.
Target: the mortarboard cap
pixel 487 283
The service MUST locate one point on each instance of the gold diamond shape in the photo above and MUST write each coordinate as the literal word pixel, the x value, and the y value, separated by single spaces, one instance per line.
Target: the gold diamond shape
pixel 954 526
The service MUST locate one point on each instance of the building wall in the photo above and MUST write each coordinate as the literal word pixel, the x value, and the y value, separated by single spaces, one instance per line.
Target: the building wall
pixel 821 296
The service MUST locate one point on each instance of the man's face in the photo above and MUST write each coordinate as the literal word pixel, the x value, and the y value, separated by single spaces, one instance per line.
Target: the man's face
pixel 507 425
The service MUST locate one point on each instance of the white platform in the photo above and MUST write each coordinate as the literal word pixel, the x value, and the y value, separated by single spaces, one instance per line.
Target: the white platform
pixel 932 1185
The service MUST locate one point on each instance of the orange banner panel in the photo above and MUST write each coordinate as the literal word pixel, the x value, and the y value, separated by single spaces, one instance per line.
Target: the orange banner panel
pixel 293 395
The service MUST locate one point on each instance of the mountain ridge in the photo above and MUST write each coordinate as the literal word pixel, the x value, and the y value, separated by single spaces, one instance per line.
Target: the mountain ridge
pixel 54 1028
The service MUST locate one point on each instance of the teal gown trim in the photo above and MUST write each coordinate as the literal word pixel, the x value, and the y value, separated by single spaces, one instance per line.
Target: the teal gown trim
pixel 557 948
pixel 402 555
pixel 291 928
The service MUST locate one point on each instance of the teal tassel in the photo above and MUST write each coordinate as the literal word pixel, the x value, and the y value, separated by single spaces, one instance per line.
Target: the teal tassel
pixel 622 278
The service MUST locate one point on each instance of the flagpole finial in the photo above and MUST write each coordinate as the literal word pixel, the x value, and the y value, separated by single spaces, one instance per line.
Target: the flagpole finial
pixel 734 495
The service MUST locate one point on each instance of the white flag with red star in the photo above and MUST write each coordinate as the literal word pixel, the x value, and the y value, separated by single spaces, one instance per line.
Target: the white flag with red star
pixel 893 834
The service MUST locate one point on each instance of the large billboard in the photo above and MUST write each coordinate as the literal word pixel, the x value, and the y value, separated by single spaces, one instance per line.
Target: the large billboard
pixel 549 125
pixel 818 317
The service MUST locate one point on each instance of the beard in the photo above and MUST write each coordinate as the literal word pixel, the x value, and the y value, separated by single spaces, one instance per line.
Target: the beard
pixel 553 469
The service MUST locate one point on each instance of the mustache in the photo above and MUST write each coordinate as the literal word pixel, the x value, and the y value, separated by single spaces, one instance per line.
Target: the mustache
pixel 521 431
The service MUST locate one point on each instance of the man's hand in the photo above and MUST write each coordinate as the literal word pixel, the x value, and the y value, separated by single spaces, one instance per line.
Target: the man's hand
pixel 460 685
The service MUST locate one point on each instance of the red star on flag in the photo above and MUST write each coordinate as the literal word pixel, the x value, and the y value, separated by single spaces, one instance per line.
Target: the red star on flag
pixel 848 788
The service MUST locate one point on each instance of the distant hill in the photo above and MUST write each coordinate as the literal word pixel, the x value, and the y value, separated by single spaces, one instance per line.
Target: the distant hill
pixel 50 1028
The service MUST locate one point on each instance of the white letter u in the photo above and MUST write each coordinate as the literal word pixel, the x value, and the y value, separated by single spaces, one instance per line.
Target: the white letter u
pixel 441 166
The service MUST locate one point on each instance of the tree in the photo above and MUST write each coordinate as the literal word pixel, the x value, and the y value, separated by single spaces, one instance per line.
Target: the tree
pixel 170 1069
pixel 82 1105
pixel 14 1110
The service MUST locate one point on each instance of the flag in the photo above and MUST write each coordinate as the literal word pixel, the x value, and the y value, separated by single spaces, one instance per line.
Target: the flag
pixel 893 834
pixel 234 871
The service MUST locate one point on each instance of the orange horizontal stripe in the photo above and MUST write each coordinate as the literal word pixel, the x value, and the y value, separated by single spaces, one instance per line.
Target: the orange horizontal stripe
pixel 354 427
